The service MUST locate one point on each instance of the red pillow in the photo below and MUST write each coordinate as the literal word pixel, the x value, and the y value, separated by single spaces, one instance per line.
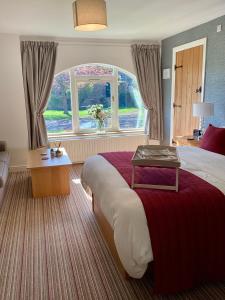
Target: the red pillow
pixel 214 140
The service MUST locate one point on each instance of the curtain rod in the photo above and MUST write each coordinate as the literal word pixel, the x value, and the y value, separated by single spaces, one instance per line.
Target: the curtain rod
pixel 91 42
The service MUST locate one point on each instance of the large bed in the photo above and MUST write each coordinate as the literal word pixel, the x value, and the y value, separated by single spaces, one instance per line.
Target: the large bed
pixel 126 219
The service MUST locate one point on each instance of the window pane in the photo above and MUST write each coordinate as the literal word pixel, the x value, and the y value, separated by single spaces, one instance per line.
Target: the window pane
pixel 58 115
pixel 93 70
pixel 90 93
pixel 131 110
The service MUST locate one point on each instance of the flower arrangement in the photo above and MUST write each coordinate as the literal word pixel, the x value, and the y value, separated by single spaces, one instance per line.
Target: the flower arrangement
pixel 97 112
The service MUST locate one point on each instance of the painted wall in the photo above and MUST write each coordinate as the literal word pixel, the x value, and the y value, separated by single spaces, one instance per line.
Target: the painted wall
pixel 215 69
pixel 13 126
pixel 73 54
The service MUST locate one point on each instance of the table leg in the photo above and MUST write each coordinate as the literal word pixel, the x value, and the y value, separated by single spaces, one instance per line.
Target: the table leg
pixel 132 179
pixel 177 179
pixel 52 181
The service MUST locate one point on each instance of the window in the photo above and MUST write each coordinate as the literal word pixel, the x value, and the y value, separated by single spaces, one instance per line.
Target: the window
pixel 89 93
pixel 131 109
pixel 58 114
pixel 75 90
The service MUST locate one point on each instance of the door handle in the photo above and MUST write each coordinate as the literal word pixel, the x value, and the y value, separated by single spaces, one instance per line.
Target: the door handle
pixel 177 67
pixel 176 105
pixel 199 90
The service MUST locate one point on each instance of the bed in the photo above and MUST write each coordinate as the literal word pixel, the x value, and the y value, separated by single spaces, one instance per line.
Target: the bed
pixel 124 223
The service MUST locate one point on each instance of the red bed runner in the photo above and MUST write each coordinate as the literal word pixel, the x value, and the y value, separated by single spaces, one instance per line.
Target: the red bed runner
pixel 187 228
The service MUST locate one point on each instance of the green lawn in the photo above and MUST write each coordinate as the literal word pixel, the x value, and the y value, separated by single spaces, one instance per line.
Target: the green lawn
pixel 53 115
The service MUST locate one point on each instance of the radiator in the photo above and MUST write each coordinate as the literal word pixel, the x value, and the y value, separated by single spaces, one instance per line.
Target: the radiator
pixel 79 149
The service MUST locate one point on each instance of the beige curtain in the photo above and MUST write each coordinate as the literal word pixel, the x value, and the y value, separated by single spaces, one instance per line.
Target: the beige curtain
pixel 146 60
pixel 38 66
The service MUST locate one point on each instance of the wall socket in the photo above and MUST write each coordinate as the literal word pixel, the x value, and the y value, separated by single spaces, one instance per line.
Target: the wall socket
pixel 219 28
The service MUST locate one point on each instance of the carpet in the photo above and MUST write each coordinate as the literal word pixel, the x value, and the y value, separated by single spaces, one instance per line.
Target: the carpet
pixel 52 248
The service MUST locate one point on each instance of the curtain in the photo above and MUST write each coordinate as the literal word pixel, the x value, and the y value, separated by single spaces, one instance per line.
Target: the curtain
pixel 146 60
pixel 38 67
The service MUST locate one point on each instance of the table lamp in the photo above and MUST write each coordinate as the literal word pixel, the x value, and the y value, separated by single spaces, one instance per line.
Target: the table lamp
pixel 203 110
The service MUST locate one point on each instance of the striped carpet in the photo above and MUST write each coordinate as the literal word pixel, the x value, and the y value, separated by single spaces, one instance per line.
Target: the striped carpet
pixel 53 249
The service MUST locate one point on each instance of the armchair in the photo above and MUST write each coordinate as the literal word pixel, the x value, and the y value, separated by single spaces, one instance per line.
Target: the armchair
pixel 4 167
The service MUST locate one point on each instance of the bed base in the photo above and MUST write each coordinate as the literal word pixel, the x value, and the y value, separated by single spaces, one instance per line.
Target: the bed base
pixel 108 234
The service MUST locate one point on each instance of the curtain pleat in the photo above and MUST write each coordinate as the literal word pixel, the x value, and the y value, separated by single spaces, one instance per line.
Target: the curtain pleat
pixel 38 66
pixel 147 63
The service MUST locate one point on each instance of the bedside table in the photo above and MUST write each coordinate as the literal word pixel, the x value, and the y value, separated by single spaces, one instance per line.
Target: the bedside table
pixel 186 141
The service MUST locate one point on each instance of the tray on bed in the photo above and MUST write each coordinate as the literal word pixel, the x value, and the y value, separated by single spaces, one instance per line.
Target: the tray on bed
pixel 156 156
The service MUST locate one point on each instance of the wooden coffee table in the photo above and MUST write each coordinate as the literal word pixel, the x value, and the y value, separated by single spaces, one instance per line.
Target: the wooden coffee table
pixel 156 156
pixel 50 177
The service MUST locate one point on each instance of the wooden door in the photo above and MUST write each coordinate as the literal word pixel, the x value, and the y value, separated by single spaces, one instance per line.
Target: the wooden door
pixel 188 89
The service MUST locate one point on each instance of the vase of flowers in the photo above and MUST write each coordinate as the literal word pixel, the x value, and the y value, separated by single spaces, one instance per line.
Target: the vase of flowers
pixel 97 112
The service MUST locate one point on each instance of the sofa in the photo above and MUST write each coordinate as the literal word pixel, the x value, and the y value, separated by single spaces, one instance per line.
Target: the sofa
pixel 4 168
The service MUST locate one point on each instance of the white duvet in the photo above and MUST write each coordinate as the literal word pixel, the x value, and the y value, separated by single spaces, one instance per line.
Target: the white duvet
pixel 124 211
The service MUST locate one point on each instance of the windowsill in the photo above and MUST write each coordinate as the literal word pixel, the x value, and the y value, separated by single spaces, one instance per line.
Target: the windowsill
pixel 83 136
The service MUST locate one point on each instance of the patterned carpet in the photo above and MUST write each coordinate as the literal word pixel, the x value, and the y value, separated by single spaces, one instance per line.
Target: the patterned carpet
pixel 53 249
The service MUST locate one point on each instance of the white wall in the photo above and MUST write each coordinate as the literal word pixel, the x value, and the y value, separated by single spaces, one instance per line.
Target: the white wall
pixel 76 53
pixel 13 126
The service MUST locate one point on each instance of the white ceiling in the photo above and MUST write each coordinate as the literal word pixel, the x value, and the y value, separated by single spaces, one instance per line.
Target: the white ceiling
pixel 127 19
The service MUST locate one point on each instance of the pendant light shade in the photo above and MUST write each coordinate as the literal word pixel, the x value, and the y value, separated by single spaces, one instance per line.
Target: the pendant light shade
pixel 89 15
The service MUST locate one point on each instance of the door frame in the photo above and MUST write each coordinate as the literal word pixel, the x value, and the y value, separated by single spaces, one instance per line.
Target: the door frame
pixel 186 46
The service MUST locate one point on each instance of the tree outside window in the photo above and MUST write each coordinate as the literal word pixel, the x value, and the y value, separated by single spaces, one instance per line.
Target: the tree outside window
pixel 75 90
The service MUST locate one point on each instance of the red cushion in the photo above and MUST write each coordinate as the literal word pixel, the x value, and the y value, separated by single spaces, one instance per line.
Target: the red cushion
pixel 214 140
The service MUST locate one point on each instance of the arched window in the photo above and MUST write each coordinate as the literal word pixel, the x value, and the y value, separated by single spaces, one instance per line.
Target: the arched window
pixel 75 90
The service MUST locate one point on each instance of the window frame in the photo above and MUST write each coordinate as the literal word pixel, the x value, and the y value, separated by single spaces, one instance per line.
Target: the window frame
pixel 114 82
pixel 75 100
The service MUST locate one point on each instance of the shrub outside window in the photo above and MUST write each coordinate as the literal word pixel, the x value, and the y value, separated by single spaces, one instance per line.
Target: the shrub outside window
pixel 75 90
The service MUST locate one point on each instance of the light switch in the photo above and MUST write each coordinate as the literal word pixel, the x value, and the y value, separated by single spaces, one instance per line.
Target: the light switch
pixel 218 28
pixel 166 73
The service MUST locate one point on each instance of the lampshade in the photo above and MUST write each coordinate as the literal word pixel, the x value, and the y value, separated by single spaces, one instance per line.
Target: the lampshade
pixel 89 15
pixel 203 109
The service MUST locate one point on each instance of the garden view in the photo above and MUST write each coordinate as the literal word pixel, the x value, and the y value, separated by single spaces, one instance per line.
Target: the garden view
pixel 58 115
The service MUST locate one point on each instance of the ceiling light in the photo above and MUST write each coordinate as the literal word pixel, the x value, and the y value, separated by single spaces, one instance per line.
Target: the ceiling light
pixel 89 15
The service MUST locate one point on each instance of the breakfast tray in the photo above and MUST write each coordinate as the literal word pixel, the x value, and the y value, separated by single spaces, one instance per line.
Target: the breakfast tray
pixel 156 156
